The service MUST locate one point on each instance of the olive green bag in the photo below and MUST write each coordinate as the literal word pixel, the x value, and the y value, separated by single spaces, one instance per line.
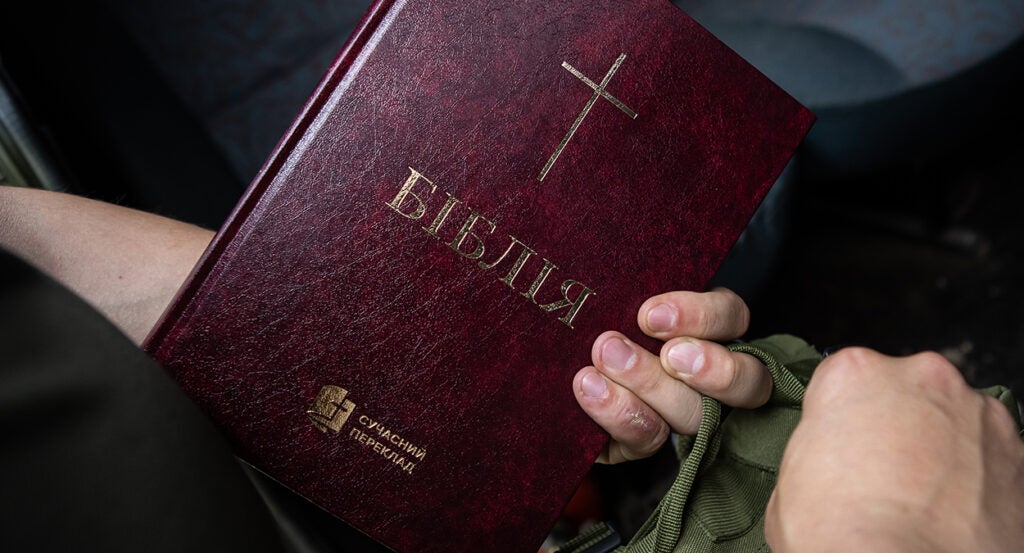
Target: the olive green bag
pixel 728 470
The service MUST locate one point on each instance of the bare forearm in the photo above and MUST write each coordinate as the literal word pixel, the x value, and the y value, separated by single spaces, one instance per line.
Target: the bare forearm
pixel 127 263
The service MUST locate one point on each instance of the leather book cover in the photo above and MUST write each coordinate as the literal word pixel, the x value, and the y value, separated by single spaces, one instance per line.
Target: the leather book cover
pixel 390 321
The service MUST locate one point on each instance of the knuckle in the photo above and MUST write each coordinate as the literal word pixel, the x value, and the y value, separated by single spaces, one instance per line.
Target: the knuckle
pixel 934 370
pixel 707 320
pixel 692 420
pixel 934 364
pixel 841 371
pixel 846 364
pixel 855 356
pixel 640 382
pixel 703 315
pixel 640 428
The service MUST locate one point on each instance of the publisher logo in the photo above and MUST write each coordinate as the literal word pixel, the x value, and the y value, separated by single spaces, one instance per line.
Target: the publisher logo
pixel 330 409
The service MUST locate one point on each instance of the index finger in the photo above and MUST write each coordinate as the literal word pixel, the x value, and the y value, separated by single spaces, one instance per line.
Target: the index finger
pixel 717 315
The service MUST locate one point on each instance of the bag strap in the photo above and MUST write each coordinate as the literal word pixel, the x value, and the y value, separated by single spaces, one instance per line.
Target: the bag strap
pixel 786 387
pixel 791 361
pixel 662 530
pixel 599 538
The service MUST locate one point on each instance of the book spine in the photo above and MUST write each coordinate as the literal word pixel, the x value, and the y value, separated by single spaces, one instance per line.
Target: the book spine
pixel 359 38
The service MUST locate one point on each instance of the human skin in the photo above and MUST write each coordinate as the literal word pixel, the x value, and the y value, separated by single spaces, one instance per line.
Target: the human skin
pixel 890 455
pixel 898 455
pixel 128 264
pixel 639 397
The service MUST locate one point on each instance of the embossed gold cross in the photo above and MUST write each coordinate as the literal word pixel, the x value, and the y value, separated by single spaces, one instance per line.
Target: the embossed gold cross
pixel 599 92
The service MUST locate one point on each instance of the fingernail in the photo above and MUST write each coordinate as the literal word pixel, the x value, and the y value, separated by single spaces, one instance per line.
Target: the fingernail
pixel 661 318
pixel 594 385
pixel 617 355
pixel 686 358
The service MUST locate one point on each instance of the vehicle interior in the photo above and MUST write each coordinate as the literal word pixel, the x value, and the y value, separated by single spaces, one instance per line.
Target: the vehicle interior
pixel 897 225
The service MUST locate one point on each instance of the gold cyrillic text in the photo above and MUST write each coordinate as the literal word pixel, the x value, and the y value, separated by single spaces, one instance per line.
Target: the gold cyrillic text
pixel 413 202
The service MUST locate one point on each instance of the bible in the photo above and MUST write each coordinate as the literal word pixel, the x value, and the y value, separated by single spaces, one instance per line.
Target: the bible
pixel 390 321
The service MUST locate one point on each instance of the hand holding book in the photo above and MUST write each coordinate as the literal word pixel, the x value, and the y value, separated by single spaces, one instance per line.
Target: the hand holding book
pixel 854 390
pixel 638 398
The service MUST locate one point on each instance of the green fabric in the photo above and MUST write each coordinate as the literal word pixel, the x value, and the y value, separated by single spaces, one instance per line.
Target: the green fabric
pixel 728 471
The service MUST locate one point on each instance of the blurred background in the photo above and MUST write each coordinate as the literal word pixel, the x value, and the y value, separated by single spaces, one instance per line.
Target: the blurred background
pixel 897 225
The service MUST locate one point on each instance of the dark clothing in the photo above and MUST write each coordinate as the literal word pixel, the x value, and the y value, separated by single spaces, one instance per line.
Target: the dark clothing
pixel 99 449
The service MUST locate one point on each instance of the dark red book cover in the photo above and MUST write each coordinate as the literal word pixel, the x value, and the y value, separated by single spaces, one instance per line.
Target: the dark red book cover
pixel 390 321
